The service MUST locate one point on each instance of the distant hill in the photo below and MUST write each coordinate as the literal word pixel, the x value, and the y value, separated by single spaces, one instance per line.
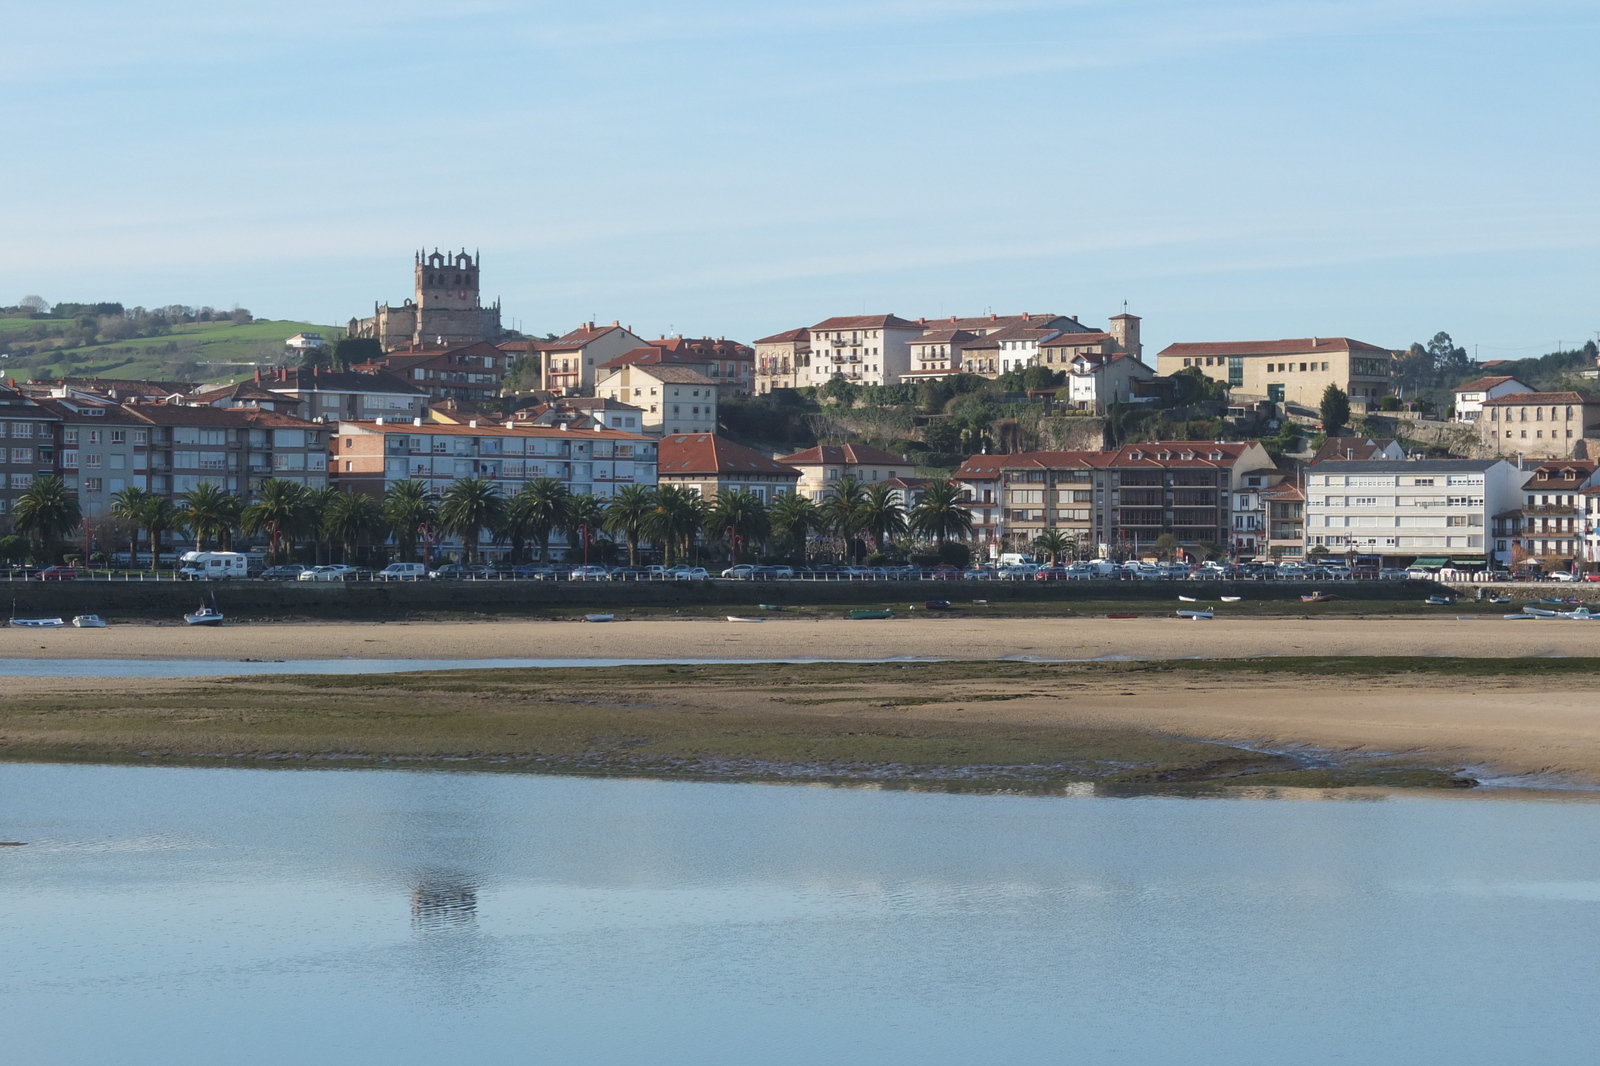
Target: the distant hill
pixel 209 351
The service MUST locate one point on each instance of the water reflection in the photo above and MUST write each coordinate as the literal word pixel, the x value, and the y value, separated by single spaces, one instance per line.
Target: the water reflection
pixel 441 903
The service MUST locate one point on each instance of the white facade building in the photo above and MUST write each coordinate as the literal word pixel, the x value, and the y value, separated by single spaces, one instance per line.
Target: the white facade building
pixel 1440 508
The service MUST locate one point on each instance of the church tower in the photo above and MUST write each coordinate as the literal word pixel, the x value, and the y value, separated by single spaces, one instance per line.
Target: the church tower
pixel 447 282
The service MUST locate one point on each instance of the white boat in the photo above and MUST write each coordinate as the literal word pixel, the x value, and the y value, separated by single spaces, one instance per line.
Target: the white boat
pixel 38 623
pixel 1519 617
pixel 599 618
pixel 1232 599
pixel 1197 616
pixel 1186 599
pixel 88 621
pixel 1581 614
pixel 1540 612
pixel 205 616
pixel 741 618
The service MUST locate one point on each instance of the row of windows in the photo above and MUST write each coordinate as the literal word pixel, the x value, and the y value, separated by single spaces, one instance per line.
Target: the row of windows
pixel 1538 434
pixel 1538 415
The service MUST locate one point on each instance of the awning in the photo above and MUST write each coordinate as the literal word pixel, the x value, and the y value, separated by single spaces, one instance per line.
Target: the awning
pixel 1432 560
pixel 1479 561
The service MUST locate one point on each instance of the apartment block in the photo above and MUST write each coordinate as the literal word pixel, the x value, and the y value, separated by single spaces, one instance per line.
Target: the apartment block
pixel 709 465
pixel 822 467
pixel 671 399
pixel 1539 425
pixel 1550 522
pixel 1295 371
pixel 28 447
pixel 470 372
pixel 1436 511
pixel 569 365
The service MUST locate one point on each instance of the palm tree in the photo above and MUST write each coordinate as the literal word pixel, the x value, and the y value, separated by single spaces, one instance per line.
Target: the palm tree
pixel 315 509
pixel 351 515
pixel 1053 542
pixel 841 508
pixel 586 516
pixel 516 521
pixel 280 509
pixel 627 514
pixel 548 503
pixel 408 506
pixel 741 517
pixel 677 516
pixel 882 516
pixel 209 511
pixel 128 504
pixel 48 511
pixel 939 514
pixel 470 506
pixel 793 518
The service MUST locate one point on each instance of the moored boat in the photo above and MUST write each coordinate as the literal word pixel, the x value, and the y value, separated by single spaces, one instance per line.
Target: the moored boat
pixel 865 614
pixel 39 623
pixel 743 618
pixel 770 606
pixel 1231 599
pixel 1197 616
pixel 1439 601
pixel 1318 597
pixel 88 621
pixel 599 618
pixel 1186 599
pixel 205 616
pixel 938 605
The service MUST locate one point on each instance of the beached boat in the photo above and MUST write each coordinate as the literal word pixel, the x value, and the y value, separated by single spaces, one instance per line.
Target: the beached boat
pixel 1197 616
pixel 742 618
pixel 599 618
pixel 770 606
pixel 1439 601
pixel 864 614
pixel 1231 599
pixel 939 605
pixel 1520 617
pixel 1540 612
pixel 1318 597
pixel 38 623
pixel 205 616
pixel 1186 599
pixel 88 621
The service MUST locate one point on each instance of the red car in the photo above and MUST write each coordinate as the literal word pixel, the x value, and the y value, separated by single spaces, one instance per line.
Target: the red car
pixel 57 573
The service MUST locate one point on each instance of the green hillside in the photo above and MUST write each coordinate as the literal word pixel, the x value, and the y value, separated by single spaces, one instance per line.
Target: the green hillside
pixel 210 351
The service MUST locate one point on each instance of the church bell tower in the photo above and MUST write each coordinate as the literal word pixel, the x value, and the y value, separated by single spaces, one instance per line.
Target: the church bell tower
pixel 447 282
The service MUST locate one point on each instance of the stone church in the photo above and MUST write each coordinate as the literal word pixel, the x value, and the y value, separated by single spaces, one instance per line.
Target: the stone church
pixel 445 312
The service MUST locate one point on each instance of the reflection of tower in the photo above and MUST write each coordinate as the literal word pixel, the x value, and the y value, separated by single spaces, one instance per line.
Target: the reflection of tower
pixel 443 903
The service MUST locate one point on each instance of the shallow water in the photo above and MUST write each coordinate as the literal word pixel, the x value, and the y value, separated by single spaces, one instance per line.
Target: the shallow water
pixel 245 667
pixel 162 915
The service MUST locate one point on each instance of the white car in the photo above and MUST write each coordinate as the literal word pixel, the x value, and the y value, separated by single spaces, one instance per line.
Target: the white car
pixel 1562 575
pixel 742 572
pixel 688 573
pixel 589 573
pixel 402 572
pixel 336 572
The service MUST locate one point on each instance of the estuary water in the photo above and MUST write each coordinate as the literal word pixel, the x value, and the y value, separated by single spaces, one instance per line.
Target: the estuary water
pixel 174 916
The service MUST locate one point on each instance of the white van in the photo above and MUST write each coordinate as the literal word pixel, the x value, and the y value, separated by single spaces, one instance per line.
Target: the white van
pixel 213 566
pixel 402 572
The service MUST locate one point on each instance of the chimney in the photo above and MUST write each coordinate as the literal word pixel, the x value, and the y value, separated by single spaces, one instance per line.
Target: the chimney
pixel 472 424
pixel 258 375
pixel 615 324
pixel 993 317
pixel 1027 316
pixel 416 421
pixel 922 321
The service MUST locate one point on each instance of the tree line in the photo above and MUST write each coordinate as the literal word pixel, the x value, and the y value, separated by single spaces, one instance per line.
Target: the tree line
pixel 851 519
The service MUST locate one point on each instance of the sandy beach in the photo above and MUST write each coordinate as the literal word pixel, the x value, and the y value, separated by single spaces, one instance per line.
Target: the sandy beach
pixel 833 639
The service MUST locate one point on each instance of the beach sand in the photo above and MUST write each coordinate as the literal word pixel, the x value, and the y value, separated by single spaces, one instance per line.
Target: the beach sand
pixel 782 638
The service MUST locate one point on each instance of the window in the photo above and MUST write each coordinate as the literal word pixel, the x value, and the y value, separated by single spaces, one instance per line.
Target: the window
pixel 69 460
pixel 22 455
pixel 1235 370
pixel 94 436
pixel 141 437
pixel 22 429
pixel 1364 501
pixel 92 484
pixel 21 481
pixel 92 460
pixel 69 435
pixel 119 436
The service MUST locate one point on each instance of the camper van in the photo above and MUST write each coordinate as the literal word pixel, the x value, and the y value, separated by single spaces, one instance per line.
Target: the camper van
pixel 213 566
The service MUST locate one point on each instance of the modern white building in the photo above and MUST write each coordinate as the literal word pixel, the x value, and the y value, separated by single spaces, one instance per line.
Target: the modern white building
pixel 1471 396
pixel 1433 511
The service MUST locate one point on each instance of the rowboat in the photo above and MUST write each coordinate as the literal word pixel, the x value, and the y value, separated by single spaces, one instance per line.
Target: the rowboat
pixel 1232 599
pixel 861 615
pixel 1197 616
pixel 770 606
pixel 742 618
pixel 38 623
pixel 599 618
pixel 1318 597
pixel 1186 599
pixel 1519 617
pixel 1439 601
pixel 88 621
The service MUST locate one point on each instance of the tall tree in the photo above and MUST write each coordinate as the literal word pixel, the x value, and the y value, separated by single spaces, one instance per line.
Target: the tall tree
pixel 794 518
pixel 128 504
pixel 882 516
pixel 842 508
pixel 678 515
pixel 940 513
pixel 1054 543
pixel 740 518
pixel 408 507
pixel 349 516
pixel 586 517
pixel 1335 409
pixel 627 515
pixel 314 509
pixel 210 512
pixel 48 511
pixel 548 502
pixel 279 510
pixel 469 506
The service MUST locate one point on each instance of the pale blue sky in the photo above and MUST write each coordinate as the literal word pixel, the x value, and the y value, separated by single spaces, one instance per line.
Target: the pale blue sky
pixel 1233 170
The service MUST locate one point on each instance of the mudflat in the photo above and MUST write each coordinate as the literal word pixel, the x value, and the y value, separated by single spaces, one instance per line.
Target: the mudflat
pixel 920 635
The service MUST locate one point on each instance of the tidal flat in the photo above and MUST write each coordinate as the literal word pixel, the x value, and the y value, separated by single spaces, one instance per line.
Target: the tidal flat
pixel 982 725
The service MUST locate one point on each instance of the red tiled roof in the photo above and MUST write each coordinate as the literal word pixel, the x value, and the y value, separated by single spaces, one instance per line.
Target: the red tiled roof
pixel 1290 346
pixel 703 348
pixel 1073 340
pixel 688 454
pixel 174 414
pixel 1199 451
pixel 801 334
pixel 1285 490
pixel 1483 384
pixel 844 454
pixel 944 336
pixel 485 428
pixel 1517 398
pixel 866 322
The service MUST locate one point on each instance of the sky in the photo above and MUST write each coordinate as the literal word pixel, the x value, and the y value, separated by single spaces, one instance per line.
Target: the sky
pixel 1228 171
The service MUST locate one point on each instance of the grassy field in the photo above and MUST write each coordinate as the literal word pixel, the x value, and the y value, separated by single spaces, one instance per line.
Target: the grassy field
pixel 903 725
pixel 220 348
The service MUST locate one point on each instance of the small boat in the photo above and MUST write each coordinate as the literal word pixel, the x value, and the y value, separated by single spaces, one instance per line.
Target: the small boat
pixel 864 614
pixel 770 606
pixel 1186 599
pixel 1119 617
pixel 1581 614
pixel 1318 597
pixel 38 623
pixel 1232 599
pixel 1540 612
pixel 1440 601
pixel 1197 616
pixel 599 618
pixel 938 605
pixel 1519 617
pixel 88 621
pixel 1497 599
pixel 743 618
pixel 205 616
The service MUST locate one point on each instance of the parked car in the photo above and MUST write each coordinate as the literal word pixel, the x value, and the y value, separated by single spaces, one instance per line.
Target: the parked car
pixel 627 573
pixel 285 572
pixel 688 573
pixel 1391 574
pixel 460 572
pixel 401 572
pixel 741 572
pixel 588 573
pixel 1563 575
pixel 335 572
pixel 57 573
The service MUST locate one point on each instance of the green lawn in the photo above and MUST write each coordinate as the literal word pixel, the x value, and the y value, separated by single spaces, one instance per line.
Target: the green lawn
pixel 223 350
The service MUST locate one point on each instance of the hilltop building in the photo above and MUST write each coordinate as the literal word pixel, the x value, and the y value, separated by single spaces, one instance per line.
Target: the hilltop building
pixel 1295 371
pixel 446 309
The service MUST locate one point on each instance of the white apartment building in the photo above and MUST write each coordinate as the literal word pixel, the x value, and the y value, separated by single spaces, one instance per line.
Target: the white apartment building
pixel 1435 511
pixel 1471 397
pixel 672 399
pixel 862 349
